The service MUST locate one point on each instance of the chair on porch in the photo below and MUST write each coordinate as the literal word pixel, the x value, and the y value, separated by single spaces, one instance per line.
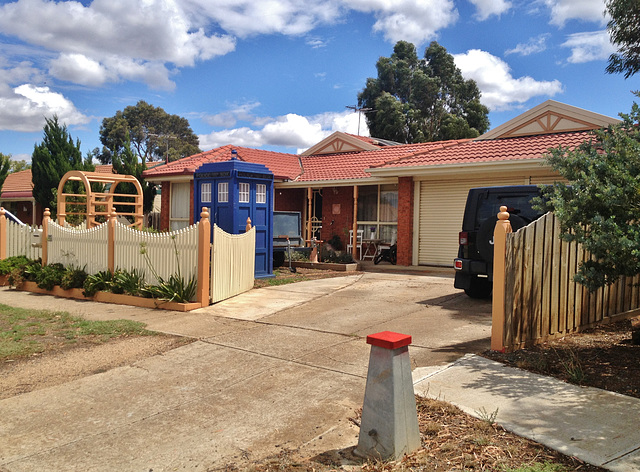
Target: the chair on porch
pixel 359 236
pixel 387 246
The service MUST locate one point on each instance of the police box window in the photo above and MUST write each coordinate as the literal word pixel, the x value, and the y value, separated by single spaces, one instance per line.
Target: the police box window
pixel 223 192
pixel 205 192
pixel 243 196
pixel 261 193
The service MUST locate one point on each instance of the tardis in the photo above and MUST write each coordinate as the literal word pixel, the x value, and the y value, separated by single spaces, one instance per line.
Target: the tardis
pixel 233 191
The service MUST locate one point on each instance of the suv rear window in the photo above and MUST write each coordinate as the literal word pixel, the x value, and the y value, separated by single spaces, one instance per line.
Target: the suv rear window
pixel 516 205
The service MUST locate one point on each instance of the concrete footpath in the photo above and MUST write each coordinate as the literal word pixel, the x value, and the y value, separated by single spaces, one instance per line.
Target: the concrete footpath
pixel 285 368
pixel 594 425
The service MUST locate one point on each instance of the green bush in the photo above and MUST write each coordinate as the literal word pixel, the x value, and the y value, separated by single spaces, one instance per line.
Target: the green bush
pixel 338 257
pixel 11 263
pixel 73 277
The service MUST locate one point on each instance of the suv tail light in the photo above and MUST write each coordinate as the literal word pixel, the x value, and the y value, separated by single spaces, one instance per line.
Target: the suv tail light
pixel 457 264
pixel 463 238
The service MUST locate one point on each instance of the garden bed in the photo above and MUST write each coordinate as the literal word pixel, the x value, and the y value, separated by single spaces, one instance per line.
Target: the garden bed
pixel 351 267
pixel 105 297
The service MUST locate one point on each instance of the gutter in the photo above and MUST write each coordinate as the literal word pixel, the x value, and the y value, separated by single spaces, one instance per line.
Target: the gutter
pixel 444 169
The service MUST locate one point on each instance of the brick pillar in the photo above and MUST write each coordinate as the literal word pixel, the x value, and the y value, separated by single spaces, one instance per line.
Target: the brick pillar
pixel 405 220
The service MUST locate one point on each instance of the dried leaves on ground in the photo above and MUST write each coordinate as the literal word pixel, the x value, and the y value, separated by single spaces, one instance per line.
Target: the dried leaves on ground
pixel 451 441
pixel 602 357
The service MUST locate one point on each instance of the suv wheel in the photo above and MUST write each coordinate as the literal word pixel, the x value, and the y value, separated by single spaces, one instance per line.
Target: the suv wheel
pixel 479 287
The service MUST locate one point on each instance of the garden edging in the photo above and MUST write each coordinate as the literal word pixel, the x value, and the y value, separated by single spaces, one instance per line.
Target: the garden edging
pixel 106 297
pixel 352 267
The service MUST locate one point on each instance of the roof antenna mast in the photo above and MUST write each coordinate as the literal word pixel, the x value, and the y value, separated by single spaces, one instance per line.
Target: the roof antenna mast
pixel 359 111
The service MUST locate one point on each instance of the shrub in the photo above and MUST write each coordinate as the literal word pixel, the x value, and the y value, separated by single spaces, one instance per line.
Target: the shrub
pixel 73 277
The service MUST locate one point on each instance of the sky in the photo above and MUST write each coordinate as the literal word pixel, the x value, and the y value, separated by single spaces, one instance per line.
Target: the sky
pixel 279 74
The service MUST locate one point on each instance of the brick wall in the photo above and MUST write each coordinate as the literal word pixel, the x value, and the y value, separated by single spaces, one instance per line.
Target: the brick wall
pixel 290 199
pixel 405 220
pixel 337 213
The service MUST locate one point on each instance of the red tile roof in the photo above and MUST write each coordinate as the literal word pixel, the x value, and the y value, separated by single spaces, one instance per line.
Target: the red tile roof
pixel 508 149
pixel 283 166
pixel 353 165
pixel 18 185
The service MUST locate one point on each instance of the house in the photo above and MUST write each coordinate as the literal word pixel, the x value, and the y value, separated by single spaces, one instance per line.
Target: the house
pixel 417 191
pixel 17 195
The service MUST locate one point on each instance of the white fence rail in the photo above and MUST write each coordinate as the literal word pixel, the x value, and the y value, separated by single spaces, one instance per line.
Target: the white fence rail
pixel 232 263
pixel 19 239
pixel 83 248
pixel 160 249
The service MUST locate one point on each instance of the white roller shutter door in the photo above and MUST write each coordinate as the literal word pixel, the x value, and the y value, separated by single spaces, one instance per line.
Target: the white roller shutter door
pixel 441 208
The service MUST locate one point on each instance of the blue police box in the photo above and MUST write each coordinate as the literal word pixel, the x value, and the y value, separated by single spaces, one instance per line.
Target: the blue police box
pixel 233 191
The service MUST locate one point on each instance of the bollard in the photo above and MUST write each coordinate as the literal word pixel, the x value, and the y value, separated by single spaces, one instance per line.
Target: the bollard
pixel 389 426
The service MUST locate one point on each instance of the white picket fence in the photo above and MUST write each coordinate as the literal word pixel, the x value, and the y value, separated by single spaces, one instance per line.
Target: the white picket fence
pixel 81 248
pixel 231 262
pixel 161 250
pixel 20 239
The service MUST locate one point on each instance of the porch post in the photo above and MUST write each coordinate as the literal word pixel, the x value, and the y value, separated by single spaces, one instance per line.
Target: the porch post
pixel 503 226
pixel 309 213
pixel 354 247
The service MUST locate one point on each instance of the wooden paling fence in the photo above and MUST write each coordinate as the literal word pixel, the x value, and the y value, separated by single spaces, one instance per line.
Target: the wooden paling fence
pixel 222 269
pixel 534 295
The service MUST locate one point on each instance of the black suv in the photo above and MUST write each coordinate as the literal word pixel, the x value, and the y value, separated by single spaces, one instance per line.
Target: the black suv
pixel 474 264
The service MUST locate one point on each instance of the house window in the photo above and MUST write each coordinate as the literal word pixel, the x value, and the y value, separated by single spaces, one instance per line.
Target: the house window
pixel 205 192
pixel 223 192
pixel 378 211
pixel 180 199
pixel 261 193
pixel 243 196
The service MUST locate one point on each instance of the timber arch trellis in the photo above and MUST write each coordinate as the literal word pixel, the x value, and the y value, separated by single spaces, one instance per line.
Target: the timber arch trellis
pixel 96 205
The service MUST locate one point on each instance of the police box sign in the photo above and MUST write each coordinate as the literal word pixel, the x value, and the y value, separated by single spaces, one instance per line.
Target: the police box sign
pixel 255 175
pixel 212 175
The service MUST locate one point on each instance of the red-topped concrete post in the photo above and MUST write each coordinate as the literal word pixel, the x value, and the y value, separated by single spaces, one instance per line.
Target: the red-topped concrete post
pixel 389 426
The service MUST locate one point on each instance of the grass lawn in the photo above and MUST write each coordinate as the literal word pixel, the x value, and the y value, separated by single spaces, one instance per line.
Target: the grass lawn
pixel 27 332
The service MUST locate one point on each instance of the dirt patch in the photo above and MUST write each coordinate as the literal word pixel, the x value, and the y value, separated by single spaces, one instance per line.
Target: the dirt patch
pixel 61 363
pixel 601 357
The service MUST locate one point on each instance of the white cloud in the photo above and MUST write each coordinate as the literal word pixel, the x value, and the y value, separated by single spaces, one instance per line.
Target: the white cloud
pixel 25 108
pixel 587 47
pixel 289 131
pixel 416 21
pixel 487 8
pixel 500 90
pixel 106 42
pixel 587 10
pixel 533 46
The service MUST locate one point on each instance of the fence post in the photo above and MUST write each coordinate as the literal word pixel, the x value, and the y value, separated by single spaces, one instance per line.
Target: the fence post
pixel 45 236
pixel 111 242
pixel 248 227
pixel 3 235
pixel 204 258
pixel 503 226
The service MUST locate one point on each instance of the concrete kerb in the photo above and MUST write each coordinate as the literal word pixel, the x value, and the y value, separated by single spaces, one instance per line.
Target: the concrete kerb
pixel 593 425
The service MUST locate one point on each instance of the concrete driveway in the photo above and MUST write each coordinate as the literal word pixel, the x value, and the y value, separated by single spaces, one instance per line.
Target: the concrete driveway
pixel 275 368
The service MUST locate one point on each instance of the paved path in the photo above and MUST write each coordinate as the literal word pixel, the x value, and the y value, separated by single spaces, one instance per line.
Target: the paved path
pixel 279 367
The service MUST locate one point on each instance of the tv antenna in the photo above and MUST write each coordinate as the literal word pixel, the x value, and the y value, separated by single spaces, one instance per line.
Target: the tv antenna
pixel 360 111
